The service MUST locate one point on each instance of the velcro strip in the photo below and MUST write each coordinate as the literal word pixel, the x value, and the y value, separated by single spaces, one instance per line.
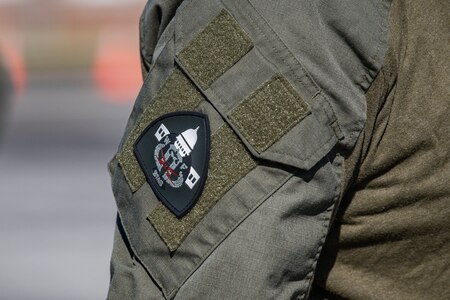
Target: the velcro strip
pixel 229 162
pixel 215 49
pixel 177 93
pixel 269 112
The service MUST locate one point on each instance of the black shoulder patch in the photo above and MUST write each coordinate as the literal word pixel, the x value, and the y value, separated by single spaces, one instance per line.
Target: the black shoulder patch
pixel 173 152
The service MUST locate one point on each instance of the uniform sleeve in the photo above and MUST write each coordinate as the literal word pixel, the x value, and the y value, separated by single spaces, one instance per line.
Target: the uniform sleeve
pixel 231 166
pixel 154 19
pixel 129 279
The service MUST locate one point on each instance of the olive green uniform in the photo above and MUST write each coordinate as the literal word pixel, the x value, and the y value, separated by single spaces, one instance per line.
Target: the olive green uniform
pixel 284 86
pixel 391 238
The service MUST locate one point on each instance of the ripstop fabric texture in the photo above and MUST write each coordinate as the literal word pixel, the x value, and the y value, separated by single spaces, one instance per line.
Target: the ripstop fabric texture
pixel 285 106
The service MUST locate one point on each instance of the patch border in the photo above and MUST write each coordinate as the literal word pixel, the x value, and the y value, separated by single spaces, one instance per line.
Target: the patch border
pixel 198 193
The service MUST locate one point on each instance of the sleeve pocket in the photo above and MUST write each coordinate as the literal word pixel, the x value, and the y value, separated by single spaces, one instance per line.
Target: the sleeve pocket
pixel 273 122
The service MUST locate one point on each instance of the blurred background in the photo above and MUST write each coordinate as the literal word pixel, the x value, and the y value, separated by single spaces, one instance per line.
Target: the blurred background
pixel 69 74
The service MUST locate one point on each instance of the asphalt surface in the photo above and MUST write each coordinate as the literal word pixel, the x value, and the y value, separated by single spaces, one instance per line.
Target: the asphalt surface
pixel 57 211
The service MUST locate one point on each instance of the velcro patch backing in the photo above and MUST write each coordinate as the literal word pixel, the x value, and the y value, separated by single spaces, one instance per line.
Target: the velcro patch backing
pixel 177 93
pixel 215 49
pixel 269 112
pixel 173 152
pixel 229 162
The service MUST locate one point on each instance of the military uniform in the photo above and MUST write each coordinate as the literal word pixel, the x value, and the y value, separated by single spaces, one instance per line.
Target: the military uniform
pixel 241 146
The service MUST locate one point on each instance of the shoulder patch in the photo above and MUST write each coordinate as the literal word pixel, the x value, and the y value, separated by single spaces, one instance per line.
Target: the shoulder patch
pixel 173 152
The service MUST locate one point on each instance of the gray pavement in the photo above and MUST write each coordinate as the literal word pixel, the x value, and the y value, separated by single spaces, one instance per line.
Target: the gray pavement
pixel 57 211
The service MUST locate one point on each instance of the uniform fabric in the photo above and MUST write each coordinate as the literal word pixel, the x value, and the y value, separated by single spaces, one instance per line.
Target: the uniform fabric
pixel 391 239
pixel 182 95
pixel 269 112
pixel 263 235
pixel 229 162
pixel 213 51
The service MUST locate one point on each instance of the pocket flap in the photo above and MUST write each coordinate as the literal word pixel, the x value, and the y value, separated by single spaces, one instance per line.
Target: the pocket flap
pixel 276 116
pixel 276 124
pixel 269 100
